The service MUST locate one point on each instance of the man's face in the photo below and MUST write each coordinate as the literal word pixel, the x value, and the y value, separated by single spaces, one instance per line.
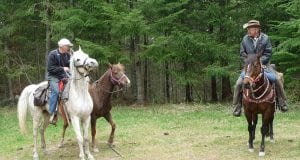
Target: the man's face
pixel 65 49
pixel 253 31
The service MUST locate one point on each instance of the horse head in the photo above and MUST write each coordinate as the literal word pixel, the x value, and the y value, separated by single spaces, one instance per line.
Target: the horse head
pixel 253 70
pixel 82 62
pixel 118 76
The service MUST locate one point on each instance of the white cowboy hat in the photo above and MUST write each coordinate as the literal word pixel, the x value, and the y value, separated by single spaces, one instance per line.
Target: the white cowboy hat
pixel 64 42
pixel 251 23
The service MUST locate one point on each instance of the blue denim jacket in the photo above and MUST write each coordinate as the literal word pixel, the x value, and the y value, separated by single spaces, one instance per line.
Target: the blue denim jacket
pixel 263 44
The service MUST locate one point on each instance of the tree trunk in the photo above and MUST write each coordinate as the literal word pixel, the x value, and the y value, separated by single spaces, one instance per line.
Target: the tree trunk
pixel 7 66
pixel 137 70
pixel 214 93
pixel 48 33
pixel 226 89
pixel 188 87
pixel 167 82
pixel 145 72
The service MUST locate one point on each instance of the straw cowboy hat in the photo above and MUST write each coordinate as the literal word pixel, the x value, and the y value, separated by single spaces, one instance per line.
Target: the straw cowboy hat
pixel 64 42
pixel 251 23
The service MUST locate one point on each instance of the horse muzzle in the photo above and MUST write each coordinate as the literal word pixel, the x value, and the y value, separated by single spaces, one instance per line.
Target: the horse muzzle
pixel 91 64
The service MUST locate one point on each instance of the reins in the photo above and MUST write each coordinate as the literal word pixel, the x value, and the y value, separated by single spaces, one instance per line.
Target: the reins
pixel 114 82
pixel 265 91
pixel 107 91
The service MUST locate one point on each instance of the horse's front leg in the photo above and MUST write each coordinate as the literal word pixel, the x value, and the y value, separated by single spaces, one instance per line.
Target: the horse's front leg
pixel 108 118
pixel 86 125
pixel 250 130
pixel 93 131
pixel 76 126
pixel 264 129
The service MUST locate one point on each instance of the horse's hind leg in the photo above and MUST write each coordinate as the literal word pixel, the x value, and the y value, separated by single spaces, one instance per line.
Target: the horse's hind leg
pixel 93 130
pixel 63 114
pixel 108 118
pixel 43 127
pixel 63 133
pixel 36 124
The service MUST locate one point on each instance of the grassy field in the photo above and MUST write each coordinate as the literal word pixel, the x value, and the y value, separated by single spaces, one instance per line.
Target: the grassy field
pixel 163 132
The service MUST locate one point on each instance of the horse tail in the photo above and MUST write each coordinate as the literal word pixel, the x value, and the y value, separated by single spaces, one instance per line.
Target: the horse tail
pixel 23 104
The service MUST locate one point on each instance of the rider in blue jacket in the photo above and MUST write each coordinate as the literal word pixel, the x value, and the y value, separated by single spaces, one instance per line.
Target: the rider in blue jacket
pixel 57 68
pixel 254 42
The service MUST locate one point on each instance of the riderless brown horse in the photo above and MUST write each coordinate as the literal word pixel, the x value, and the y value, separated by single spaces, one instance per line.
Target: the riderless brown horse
pixel 258 98
pixel 101 91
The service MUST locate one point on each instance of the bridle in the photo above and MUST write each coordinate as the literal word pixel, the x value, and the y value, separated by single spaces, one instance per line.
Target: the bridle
pixel 253 81
pixel 114 80
pixel 82 66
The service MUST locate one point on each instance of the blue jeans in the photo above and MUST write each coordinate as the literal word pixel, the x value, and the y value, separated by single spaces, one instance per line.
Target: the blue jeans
pixel 270 74
pixel 54 94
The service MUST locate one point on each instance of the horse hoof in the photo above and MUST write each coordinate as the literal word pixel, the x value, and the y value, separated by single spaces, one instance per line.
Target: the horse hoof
pixel 272 140
pixel 46 152
pixel 61 145
pixel 96 150
pixel 251 150
pixel 35 157
pixel 90 157
pixel 111 144
pixel 261 154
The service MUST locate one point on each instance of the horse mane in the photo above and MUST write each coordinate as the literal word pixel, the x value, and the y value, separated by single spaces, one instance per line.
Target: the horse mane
pixel 251 58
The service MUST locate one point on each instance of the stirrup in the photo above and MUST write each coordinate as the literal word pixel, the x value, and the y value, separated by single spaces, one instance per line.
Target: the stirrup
pixel 237 111
pixel 284 108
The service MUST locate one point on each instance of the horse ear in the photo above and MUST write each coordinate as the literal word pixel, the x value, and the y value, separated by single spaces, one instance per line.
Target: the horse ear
pixel 110 65
pixel 80 48
pixel 260 53
pixel 71 52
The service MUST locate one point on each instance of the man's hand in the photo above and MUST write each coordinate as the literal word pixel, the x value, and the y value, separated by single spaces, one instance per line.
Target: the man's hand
pixel 65 80
pixel 66 69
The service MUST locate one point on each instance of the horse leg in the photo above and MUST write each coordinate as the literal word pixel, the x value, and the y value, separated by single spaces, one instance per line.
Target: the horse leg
pixel 63 114
pixel 271 130
pixel 36 124
pixel 43 127
pixel 255 118
pixel 63 133
pixel 86 125
pixel 93 128
pixel 108 118
pixel 264 129
pixel 76 126
pixel 250 130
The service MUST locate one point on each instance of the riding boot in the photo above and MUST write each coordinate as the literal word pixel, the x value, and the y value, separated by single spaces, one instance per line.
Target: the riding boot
pixel 281 97
pixel 237 98
pixel 53 119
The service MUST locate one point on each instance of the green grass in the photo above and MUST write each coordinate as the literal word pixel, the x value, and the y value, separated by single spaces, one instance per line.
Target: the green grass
pixel 161 132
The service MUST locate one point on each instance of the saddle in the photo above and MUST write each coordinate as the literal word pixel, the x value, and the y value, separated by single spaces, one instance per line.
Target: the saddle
pixel 41 94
